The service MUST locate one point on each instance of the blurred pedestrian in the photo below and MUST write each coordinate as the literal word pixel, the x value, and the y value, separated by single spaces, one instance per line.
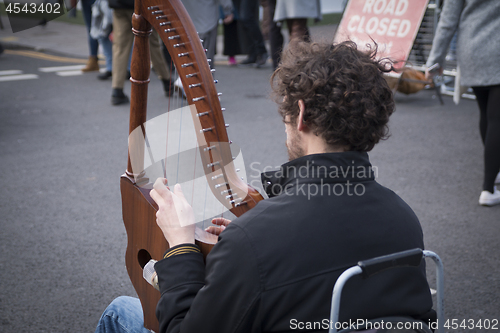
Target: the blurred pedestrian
pixel 295 13
pixel 92 64
pixel 478 55
pixel 101 27
pixel 205 16
pixel 231 39
pixel 123 39
pixel 248 11
pixel 275 35
pixel 265 24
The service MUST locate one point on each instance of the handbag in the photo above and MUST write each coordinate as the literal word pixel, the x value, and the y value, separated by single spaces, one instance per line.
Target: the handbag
pixel 102 20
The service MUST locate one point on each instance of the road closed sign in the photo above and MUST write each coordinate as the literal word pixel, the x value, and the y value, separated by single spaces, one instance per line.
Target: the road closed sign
pixel 392 24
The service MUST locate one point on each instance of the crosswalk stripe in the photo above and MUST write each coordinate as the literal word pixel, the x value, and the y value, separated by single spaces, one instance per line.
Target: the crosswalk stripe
pixel 60 68
pixel 11 72
pixel 18 77
pixel 69 73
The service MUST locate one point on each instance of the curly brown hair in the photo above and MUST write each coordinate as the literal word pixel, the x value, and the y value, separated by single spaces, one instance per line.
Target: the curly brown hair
pixel 347 100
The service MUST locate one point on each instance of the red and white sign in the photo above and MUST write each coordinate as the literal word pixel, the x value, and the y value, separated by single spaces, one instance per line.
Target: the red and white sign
pixel 392 24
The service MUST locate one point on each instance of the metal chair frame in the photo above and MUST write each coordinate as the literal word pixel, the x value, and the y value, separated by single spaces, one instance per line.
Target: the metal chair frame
pixel 375 265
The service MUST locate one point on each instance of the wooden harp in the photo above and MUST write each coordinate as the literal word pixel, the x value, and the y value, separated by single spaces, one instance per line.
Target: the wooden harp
pixel 145 240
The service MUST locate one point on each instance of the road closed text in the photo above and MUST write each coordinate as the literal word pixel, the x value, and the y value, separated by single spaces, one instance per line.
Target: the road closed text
pixel 382 17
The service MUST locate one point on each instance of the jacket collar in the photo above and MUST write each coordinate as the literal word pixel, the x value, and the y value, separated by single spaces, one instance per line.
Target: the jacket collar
pixel 350 166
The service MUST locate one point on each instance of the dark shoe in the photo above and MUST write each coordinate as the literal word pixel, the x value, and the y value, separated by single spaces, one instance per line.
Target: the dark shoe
pixel 168 87
pixel 118 97
pixel 262 59
pixel 104 76
pixel 249 61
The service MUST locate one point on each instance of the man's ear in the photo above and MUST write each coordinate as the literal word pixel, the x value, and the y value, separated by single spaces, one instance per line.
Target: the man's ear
pixel 301 125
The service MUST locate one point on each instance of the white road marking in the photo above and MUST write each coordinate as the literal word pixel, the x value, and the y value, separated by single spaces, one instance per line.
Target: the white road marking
pixel 70 73
pixel 11 72
pixel 18 77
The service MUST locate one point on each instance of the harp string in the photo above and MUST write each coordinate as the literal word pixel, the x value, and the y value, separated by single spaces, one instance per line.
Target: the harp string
pixel 176 126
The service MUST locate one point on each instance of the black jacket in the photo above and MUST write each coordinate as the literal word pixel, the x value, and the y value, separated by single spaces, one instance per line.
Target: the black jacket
pixel 121 4
pixel 276 265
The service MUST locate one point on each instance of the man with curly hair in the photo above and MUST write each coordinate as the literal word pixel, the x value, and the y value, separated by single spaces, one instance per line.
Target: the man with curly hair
pixel 273 269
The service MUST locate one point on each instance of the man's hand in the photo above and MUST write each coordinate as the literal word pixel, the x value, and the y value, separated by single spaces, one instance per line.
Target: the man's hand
pixel 222 224
pixel 228 19
pixel 175 216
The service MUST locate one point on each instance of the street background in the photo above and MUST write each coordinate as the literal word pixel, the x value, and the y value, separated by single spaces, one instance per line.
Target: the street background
pixel 63 148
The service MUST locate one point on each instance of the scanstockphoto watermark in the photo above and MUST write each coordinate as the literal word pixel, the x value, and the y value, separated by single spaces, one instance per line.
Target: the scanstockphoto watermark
pixel 365 324
pixel 312 180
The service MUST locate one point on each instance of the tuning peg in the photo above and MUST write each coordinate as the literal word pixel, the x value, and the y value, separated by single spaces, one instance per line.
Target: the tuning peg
pixel 216 81
pixel 218 176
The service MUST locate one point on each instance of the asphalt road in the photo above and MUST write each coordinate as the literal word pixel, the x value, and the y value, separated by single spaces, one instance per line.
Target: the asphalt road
pixel 63 148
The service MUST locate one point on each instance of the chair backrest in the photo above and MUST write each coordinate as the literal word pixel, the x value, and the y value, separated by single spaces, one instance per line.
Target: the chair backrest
pixel 373 266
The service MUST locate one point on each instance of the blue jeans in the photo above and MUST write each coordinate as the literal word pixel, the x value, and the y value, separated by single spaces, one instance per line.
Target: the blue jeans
pixel 87 17
pixel 124 315
pixel 107 50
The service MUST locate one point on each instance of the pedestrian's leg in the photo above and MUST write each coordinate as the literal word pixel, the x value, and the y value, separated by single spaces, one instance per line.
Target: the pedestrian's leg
pixel 159 63
pixel 249 20
pixel 157 58
pixel 298 28
pixel 123 38
pixel 482 101
pixel 275 36
pixel 92 64
pixel 209 43
pixel 107 49
pixel 492 139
